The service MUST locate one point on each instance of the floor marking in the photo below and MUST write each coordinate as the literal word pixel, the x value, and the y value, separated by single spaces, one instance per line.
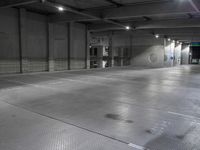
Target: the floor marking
pixel 183 115
pixel 137 146
pixel 74 125
pixel 42 86
pixel 59 82
pixel 30 84
pixel 73 80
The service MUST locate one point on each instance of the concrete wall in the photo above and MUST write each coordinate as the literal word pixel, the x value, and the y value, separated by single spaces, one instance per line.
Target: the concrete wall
pixel 28 43
pixel 78 48
pixel 147 51
pixel 36 52
pixel 9 41
pixel 144 50
pixel 120 44
pixel 61 49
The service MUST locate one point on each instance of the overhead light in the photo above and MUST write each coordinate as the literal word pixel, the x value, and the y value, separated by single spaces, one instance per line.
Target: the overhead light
pixel 169 39
pixel 173 41
pixel 60 8
pixel 157 36
pixel 177 42
pixel 127 27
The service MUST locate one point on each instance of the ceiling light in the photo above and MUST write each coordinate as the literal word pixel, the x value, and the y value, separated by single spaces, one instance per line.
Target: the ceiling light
pixel 60 8
pixel 157 36
pixel 177 42
pixel 127 28
pixel 169 39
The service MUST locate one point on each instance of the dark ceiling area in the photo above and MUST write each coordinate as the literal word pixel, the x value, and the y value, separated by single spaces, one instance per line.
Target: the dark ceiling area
pixel 104 15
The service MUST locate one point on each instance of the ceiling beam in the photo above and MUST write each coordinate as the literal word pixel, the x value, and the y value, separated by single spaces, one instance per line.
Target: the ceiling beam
pixel 159 24
pixel 178 23
pixel 19 3
pixel 81 13
pixel 152 9
pixel 114 3
pixel 135 11
pixel 181 34
pixel 194 5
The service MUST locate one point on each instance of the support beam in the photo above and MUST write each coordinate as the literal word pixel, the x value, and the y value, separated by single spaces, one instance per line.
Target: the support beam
pixel 51 62
pixel 88 15
pixel 111 50
pixel 178 23
pixel 114 3
pixel 70 43
pixel 23 39
pixel 20 3
pixel 194 6
pixel 152 9
pixel 68 17
pixel 133 11
pixel 87 50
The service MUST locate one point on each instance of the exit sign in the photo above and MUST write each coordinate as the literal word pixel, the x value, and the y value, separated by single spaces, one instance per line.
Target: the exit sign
pixel 195 44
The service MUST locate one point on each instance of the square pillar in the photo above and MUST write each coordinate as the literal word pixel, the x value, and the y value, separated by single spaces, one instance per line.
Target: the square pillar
pixel 51 66
pixel 23 40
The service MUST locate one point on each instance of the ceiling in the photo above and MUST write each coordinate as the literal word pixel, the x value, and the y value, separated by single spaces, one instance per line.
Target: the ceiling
pixel 103 15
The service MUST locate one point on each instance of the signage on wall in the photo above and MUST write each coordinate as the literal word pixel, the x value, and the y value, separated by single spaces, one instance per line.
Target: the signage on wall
pixel 195 44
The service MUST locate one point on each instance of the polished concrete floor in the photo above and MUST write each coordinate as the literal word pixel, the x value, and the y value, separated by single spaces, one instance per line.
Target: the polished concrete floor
pixel 112 109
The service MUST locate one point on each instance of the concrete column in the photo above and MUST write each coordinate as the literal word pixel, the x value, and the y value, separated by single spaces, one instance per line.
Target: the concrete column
pixel 70 43
pixel 131 49
pixel 100 56
pixel 169 53
pixel 177 55
pixel 185 53
pixel 111 50
pixel 51 47
pixel 121 56
pixel 87 50
pixel 23 40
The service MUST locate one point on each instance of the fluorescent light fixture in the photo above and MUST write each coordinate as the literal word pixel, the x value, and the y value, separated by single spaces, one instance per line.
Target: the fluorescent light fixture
pixel 127 27
pixel 60 8
pixel 157 36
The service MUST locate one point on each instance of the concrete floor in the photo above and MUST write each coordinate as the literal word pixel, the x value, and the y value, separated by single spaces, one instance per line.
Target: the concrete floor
pixel 113 109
